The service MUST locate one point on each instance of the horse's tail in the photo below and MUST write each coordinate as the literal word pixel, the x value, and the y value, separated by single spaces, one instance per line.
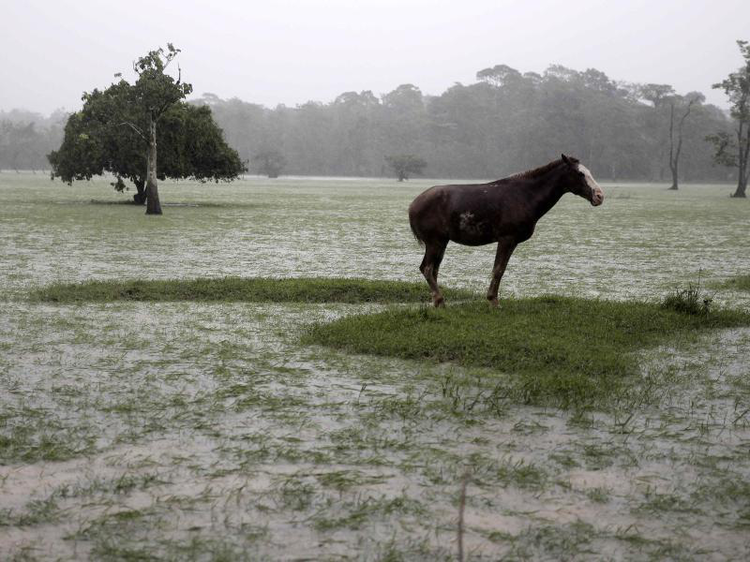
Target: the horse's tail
pixel 414 230
pixel 416 236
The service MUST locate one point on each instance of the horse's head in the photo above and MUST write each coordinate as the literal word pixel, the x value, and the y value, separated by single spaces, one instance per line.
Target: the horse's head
pixel 578 180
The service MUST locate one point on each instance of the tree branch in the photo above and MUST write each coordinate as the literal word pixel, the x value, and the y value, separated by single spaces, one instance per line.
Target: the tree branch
pixel 136 129
pixel 679 130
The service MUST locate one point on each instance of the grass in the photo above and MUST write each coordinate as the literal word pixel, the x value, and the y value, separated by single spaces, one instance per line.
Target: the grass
pixel 565 351
pixel 738 283
pixel 692 300
pixel 237 289
pixel 357 514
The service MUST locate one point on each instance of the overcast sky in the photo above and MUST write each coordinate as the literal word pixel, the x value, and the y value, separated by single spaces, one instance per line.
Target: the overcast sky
pixel 292 51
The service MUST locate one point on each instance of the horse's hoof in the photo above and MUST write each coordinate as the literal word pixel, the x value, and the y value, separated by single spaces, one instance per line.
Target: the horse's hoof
pixel 439 302
pixel 493 302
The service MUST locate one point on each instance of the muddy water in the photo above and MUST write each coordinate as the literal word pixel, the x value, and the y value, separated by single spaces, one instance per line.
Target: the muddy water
pixel 156 428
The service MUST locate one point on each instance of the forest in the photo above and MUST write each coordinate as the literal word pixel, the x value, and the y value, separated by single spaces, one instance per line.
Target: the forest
pixel 505 122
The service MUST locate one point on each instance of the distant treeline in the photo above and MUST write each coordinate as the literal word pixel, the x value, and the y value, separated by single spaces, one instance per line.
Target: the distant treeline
pixel 26 138
pixel 505 122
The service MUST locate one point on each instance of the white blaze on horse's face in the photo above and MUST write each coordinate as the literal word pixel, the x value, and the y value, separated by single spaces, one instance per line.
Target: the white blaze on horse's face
pixel 597 195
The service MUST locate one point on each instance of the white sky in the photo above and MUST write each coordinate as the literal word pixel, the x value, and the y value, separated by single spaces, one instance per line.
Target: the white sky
pixel 292 51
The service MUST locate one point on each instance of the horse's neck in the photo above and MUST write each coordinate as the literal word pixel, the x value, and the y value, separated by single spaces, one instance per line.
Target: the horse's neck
pixel 546 192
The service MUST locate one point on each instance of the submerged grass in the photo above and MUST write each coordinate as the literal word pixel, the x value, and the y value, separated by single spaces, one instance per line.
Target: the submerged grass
pixel 205 432
pixel 739 283
pixel 238 289
pixel 570 352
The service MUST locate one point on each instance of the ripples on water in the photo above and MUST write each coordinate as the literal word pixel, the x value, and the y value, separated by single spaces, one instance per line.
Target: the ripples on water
pixel 140 381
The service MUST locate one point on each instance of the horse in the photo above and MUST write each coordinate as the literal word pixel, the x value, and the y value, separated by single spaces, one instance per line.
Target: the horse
pixel 503 211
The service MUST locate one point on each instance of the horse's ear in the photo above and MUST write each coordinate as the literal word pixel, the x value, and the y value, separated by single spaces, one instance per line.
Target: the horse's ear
pixel 566 160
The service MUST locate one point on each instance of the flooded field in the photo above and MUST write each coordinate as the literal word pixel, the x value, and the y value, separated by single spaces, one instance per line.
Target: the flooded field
pixel 186 431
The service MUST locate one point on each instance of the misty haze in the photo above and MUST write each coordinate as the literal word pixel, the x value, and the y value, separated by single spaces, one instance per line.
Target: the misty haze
pixel 374 280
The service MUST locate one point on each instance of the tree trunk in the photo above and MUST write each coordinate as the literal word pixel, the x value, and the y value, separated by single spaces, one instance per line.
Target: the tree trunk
pixel 153 207
pixel 741 184
pixel 743 160
pixel 674 178
pixel 139 198
pixel 672 163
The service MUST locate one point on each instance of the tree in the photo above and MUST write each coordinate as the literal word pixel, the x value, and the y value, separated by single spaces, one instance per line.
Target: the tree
pixel 269 162
pixel 675 146
pixel 656 93
pixel 107 135
pixel 404 165
pixel 26 138
pixel 735 151
pixel 499 75
pixel 139 107
pixel 153 94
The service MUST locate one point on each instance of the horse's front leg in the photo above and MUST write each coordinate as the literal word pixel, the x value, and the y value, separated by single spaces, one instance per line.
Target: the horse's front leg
pixel 505 247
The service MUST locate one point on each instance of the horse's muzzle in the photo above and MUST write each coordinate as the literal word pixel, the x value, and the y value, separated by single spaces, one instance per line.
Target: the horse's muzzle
pixel 597 197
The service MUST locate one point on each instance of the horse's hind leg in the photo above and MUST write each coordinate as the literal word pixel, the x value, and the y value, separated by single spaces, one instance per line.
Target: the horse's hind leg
pixel 505 247
pixel 433 256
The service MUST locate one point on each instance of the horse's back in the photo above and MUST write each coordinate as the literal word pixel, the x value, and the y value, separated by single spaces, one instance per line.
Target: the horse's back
pixel 448 212
pixel 443 195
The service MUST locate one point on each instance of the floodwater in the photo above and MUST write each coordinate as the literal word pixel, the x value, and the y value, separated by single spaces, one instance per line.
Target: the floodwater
pixel 186 431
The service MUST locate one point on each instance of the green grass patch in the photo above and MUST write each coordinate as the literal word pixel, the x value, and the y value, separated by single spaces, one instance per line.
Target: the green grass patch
pixel 238 289
pixel 560 351
pixel 739 283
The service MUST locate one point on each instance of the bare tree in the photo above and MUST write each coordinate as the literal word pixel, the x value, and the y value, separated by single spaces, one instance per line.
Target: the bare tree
pixel 730 151
pixel 675 148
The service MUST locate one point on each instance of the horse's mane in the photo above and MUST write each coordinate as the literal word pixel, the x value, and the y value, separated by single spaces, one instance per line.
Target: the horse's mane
pixel 541 170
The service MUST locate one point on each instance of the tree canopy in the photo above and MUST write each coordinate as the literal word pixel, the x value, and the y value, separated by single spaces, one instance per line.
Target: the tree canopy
pixel 405 165
pixel 113 133
pixel 507 121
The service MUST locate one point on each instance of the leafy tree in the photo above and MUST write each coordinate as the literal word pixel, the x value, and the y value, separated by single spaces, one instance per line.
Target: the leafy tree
pixel 403 165
pixel 734 151
pixel 107 135
pixel 499 75
pixel 355 120
pixel 404 118
pixel 26 138
pixel 269 162
pixel 138 107
pixel 656 93
pixel 20 145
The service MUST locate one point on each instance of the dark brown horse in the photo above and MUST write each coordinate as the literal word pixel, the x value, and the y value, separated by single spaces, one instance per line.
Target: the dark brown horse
pixel 503 211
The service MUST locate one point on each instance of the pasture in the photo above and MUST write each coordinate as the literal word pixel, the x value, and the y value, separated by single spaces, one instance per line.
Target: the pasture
pixel 197 428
